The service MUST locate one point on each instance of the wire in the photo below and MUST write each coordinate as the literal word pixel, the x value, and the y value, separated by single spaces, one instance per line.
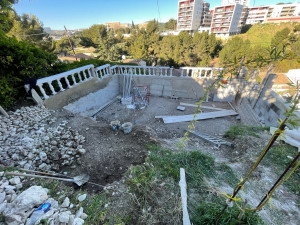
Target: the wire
pixel 158 11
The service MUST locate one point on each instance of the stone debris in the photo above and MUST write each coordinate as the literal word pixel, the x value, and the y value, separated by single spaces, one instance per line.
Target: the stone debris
pixel 81 198
pixel 17 206
pixel 31 139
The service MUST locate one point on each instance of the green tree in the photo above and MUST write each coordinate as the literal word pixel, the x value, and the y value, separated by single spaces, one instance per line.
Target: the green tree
pixel 93 35
pixel 6 7
pixel 152 27
pixel 139 49
pixel 170 25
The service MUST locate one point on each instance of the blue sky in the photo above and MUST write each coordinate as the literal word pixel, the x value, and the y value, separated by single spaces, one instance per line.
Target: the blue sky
pixel 77 14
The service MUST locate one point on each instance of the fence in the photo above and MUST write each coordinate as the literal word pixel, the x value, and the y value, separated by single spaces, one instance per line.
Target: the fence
pixel 200 72
pixel 52 85
pixel 60 82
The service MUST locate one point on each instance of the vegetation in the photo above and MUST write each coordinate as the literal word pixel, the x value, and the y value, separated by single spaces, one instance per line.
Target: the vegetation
pixel 164 164
pixel 279 158
pixel 243 130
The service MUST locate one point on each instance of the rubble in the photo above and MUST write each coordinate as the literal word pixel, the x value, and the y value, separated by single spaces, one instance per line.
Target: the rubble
pixel 30 139
pixel 17 210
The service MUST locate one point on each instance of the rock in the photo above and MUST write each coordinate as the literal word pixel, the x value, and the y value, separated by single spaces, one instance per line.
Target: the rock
pixel 83 216
pixel 78 221
pixel 71 206
pixel 43 156
pixel 64 217
pixel 15 181
pixel 81 151
pixel 66 203
pixel 15 157
pixel 81 197
pixel 19 209
pixel 2 197
pixel 79 213
pixel 13 219
pixel 19 186
pixel 43 166
pixel 54 203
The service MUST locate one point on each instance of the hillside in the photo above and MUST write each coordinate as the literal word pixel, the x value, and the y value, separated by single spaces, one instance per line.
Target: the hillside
pixel 262 34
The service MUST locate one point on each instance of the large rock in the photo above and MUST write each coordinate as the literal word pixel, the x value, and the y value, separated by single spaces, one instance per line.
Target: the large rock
pixel 17 211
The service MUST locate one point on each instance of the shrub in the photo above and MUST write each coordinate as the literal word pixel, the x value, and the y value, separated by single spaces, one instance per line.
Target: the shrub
pixel 20 61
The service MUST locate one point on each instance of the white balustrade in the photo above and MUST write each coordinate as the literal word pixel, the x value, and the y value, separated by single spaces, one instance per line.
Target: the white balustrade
pixel 103 71
pixel 75 76
pixel 57 83
pixel 146 70
pixel 200 72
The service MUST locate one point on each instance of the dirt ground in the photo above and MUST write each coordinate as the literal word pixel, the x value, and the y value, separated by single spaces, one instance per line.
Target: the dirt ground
pixel 110 153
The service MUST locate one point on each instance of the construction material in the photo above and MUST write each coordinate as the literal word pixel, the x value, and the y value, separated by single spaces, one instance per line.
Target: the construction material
pixel 182 184
pixel 115 125
pixel 78 180
pixel 106 105
pixel 291 137
pixel 3 111
pixel 200 116
pixel 216 141
pixel 204 107
pixel 127 127
pixel 181 108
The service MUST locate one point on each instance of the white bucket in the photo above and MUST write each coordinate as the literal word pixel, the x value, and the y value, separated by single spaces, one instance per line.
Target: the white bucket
pixel 127 127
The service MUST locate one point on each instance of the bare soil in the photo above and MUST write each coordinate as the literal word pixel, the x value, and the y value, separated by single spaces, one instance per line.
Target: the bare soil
pixel 110 153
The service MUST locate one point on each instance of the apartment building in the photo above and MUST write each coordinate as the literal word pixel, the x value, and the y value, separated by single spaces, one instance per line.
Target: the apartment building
pixel 232 2
pixel 283 13
pixel 257 14
pixel 189 15
pixel 226 20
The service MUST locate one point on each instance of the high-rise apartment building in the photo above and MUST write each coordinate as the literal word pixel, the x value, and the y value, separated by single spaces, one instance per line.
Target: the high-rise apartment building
pixel 189 14
pixel 232 2
pixel 274 13
pixel 226 20
pixel 257 14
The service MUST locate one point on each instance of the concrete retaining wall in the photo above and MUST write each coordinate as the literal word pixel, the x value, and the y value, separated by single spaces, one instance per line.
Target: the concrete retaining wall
pixel 172 86
pixel 90 104
pixel 62 99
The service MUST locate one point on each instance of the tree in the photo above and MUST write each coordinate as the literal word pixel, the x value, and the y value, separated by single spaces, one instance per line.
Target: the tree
pixel 152 27
pixel 171 25
pixel 93 35
pixel 5 10
pixel 138 48
pixel 280 38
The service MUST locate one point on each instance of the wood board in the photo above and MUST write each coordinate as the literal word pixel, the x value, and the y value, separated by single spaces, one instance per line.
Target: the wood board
pixel 200 116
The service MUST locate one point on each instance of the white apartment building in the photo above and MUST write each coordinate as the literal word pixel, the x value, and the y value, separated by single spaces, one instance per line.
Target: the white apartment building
pixel 283 13
pixel 232 2
pixel 257 14
pixel 189 14
pixel 226 20
pixel 274 13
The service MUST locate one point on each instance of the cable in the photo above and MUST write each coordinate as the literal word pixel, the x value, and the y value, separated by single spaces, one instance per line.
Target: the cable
pixel 158 11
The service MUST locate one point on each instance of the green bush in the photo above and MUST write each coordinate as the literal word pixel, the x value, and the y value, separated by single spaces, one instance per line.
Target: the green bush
pixel 20 61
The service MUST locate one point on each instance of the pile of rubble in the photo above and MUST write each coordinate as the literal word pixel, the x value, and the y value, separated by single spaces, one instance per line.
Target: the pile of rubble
pixel 30 139
pixel 17 207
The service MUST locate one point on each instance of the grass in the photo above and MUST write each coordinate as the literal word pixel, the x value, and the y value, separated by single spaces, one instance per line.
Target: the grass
pixel 206 203
pixel 243 130
pixel 278 159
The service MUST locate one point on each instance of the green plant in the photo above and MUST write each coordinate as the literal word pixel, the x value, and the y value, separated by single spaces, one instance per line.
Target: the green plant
pixel 243 130
pixel 206 212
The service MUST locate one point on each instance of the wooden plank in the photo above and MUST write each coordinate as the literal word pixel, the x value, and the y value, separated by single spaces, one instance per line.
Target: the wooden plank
pixel 204 107
pixel 201 116
pixel 183 191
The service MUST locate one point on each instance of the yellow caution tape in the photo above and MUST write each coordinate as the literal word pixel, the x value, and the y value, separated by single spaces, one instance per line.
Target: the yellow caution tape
pixel 230 197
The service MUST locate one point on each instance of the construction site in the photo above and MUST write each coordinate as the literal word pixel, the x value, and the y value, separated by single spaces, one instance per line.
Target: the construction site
pixel 150 145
